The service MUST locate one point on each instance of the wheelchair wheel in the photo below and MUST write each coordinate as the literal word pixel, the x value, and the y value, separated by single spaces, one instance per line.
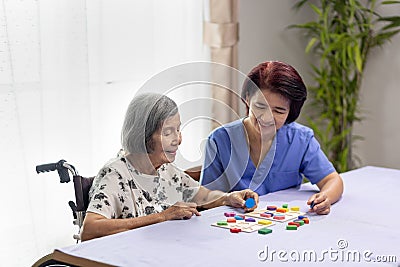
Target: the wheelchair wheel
pixel 48 261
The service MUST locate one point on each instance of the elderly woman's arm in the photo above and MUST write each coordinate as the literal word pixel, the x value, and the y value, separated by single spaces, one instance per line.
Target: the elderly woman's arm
pixel 207 199
pixel 96 225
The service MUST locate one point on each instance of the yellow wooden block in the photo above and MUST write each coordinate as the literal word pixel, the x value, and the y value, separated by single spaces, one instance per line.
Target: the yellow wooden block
pixel 264 222
pixel 295 208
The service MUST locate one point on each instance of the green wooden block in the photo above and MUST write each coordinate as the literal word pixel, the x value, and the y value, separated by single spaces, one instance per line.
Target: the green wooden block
pixel 222 223
pixel 285 206
pixel 291 227
pixel 264 231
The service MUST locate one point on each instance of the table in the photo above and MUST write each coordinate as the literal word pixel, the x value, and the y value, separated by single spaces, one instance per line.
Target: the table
pixel 363 227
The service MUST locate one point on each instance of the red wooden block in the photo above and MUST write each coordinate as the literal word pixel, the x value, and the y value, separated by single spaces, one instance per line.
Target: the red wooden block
pixel 294 223
pixel 235 230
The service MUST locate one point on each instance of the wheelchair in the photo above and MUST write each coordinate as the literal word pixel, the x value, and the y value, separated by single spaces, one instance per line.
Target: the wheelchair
pixel 82 186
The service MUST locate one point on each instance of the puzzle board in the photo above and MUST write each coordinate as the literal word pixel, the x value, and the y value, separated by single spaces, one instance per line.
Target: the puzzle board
pixel 247 227
pixel 289 215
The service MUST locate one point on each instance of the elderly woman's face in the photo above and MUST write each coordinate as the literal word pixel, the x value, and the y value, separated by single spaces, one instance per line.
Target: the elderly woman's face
pixel 166 141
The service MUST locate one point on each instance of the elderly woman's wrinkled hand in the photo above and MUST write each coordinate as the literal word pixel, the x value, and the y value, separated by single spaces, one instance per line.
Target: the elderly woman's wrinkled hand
pixel 237 199
pixel 181 210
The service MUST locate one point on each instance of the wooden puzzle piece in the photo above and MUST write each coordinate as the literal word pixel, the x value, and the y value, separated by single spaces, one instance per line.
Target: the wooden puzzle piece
pixel 275 215
pixel 244 226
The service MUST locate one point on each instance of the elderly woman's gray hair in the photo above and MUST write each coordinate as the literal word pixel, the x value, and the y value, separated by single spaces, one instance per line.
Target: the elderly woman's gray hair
pixel 144 116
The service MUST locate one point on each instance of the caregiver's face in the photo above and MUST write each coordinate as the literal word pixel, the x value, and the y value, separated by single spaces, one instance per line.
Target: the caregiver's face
pixel 267 110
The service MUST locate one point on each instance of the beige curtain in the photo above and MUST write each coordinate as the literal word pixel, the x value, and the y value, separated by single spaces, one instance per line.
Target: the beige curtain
pixel 221 34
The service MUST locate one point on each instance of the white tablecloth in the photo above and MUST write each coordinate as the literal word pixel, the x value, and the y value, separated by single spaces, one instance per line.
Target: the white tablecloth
pixel 362 228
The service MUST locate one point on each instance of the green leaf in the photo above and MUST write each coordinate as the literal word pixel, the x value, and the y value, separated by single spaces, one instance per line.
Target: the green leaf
pixel 395 22
pixel 358 57
pixel 310 44
pixel 349 49
pixel 316 9
pixel 390 2
pixel 299 4
pixel 381 38
pixel 310 27
pixel 392 18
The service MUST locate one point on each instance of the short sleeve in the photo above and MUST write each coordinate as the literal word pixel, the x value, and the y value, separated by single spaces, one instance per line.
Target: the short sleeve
pixel 315 165
pixel 213 170
pixel 212 166
pixel 190 187
pixel 108 194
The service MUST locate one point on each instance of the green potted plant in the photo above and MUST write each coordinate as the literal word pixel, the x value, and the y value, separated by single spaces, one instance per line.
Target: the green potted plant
pixel 341 37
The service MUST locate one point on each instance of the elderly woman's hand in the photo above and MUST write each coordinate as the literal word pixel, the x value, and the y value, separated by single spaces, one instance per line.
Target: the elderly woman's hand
pixel 237 199
pixel 180 210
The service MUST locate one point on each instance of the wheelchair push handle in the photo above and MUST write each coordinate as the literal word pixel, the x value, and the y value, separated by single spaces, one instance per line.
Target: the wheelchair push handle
pixel 62 168
pixel 48 167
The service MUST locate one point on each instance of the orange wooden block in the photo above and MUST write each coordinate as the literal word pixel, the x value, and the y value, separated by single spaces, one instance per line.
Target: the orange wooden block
pixel 306 220
pixel 231 220
pixel 283 210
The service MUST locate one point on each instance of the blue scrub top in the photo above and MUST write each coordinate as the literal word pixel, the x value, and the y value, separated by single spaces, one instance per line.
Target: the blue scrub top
pixel 294 152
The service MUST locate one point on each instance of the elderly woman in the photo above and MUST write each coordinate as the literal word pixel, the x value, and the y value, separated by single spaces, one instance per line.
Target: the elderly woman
pixel 141 186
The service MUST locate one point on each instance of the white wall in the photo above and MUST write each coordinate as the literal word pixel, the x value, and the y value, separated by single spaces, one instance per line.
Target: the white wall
pixel 263 36
pixel 379 98
pixel 68 70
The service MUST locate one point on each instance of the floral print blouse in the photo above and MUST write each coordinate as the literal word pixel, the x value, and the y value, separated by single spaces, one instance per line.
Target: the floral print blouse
pixel 121 191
